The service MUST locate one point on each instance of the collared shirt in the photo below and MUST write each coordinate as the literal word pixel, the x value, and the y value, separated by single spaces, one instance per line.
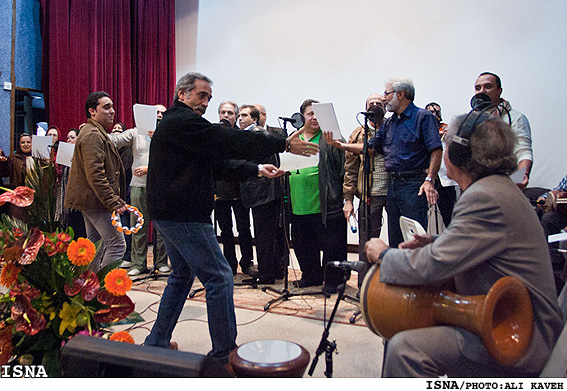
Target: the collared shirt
pixel 406 141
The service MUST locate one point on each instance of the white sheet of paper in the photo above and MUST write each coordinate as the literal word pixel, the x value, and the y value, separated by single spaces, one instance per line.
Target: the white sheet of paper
pixel 518 175
pixel 557 237
pixel 291 162
pixel 325 113
pixel 65 153
pixel 41 146
pixel 145 117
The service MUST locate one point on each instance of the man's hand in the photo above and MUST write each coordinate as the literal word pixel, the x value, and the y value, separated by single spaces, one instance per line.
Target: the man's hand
pixel 333 143
pixel 348 209
pixel 121 210
pixel 417 242
pixel 374 248
pixel 269 171
pixel 151 133
pixel 298 146
pixel 430 192
pixel 141 170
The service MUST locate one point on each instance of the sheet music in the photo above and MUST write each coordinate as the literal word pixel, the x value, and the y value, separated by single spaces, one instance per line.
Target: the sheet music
pixel 325 113
pixel 291 162
pixel 41 146
pixel 145 117
pixel 65 153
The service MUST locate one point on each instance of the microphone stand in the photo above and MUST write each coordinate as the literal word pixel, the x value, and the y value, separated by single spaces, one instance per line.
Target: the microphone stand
pixel 365 201
pixel 324 345
pixel 284 294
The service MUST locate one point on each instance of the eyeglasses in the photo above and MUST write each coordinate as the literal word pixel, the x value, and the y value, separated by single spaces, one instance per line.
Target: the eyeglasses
pixel 386 93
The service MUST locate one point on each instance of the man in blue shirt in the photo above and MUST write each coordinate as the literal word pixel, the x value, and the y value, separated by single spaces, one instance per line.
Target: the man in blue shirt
pixel 411 145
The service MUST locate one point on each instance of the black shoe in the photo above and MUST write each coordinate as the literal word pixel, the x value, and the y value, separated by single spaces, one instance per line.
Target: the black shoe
pixel 305 283
pixel 251 270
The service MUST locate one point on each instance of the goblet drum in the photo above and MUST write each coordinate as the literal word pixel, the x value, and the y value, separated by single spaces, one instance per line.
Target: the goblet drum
pixel 269 358
pixel 503 318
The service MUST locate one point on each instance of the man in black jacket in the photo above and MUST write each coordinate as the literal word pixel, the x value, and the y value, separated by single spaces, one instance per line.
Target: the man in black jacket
pixel 187 154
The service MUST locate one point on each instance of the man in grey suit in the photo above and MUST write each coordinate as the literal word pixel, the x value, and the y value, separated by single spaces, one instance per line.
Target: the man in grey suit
pixel 494 232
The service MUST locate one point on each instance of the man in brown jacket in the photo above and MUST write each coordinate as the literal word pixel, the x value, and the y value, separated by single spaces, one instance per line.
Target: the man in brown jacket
pixel 97 180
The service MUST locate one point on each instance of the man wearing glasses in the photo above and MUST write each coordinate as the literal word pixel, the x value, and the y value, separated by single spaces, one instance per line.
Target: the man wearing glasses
pixel 410 143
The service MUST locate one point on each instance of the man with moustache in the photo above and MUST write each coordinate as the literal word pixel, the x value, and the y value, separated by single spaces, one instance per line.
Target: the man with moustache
pixel 410 143
pixel 97 180
pixel 187 154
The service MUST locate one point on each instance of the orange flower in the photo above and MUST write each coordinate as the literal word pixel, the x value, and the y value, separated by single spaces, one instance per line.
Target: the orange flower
pixel 9 275
pixel 118 282
pixel 122 336
pixel 81 252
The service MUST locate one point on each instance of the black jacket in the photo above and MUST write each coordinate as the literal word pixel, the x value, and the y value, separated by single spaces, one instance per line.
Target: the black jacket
pixel 188 153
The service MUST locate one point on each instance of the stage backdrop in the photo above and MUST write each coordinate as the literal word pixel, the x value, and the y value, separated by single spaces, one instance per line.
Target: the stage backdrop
pixel 281 52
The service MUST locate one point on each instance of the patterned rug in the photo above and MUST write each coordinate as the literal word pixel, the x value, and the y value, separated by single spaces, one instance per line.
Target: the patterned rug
pixel 306 302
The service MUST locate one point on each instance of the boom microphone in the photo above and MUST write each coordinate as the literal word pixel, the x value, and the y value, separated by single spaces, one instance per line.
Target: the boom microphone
pixel 349 265
pixel 297 120
pixel 374 113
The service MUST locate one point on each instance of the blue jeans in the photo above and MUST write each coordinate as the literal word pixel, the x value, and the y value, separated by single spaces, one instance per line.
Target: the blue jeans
pixel 193 250
pixel 404 201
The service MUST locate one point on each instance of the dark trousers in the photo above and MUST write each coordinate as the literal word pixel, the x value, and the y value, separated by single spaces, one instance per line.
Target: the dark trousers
pixel 223 214
pixel 310 236
pixel 369 227
pixel 552 223
pixel 269 236
pixel 446 202
pixel 404 201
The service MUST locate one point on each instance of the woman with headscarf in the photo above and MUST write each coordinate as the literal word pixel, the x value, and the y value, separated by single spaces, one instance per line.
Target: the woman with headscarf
pixel 16 167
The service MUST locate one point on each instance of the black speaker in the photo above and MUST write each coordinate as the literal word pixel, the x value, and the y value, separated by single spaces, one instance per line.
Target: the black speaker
pixel 84 356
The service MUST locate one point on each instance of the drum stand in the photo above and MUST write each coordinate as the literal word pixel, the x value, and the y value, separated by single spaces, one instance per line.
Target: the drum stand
pixel 325 346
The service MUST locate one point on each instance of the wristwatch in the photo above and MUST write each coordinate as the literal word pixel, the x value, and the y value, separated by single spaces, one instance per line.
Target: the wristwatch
pixel 429 179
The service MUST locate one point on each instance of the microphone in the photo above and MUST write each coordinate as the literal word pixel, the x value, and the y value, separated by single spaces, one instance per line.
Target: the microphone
pixel 297 120
pixel 354 265
pixel 352 222
pixel 480 101
pixel 374 113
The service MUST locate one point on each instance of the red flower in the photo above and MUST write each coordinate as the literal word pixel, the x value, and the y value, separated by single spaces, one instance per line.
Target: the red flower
pixel 21 196
pixel 87 283
pixel 119 307
pixel 30 243
pixel 63 237
pixel 26 317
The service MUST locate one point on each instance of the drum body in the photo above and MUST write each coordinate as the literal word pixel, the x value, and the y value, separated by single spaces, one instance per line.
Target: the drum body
pixel 503 318
pixel 269 358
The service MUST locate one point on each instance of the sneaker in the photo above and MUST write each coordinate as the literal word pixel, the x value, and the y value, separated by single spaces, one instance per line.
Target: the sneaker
pixel 125 264
pixel 134 272
pixel 164 269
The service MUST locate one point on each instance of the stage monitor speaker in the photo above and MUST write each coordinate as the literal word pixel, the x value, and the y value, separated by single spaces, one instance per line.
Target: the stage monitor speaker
pixel 84 356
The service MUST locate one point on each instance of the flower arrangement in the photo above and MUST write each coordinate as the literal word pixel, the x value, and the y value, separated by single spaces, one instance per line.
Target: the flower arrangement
pixel 48 293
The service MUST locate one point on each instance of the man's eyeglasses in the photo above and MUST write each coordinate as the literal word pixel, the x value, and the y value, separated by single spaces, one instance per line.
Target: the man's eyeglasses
pixel 386 93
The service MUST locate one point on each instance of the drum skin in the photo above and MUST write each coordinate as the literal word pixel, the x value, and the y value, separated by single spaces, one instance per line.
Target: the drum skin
pixel 247 367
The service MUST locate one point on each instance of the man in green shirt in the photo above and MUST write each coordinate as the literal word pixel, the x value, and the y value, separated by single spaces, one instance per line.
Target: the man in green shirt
pixel 318 222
